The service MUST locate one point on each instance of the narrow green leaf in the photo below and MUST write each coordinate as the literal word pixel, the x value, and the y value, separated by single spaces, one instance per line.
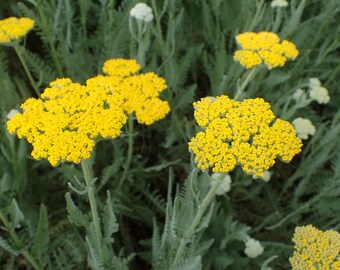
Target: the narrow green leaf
pixel 4 244
pixel 16 215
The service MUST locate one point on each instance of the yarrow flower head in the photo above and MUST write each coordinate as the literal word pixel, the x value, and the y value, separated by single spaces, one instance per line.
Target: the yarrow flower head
pixel 253 248
pixel 264 47
pixel 279 3
pixel 315 249
pixel 142 11
pixel 64 123
pixel 242 133
pixel 140 92
pixel 304 128
pixel 14 28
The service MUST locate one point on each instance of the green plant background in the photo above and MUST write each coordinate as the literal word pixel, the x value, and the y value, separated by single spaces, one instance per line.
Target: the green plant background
pixel 190 43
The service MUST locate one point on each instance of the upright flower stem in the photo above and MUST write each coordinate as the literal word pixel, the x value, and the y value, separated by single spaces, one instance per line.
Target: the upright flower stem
pixel 24 65
pixel 86 166
pixel 201 210
pixel 245 83
pixel 278 19
pixel 18 243
pixel 159 35
pixel 130 151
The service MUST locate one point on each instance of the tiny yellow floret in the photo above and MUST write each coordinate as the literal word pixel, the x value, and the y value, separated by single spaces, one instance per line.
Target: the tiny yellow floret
pixel 244 133
pixel 315 249
pixel 14 28
pixel 264 47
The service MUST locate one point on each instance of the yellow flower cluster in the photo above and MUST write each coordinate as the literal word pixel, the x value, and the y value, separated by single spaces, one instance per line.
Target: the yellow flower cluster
pixel 264 47
pixel 140 92
pixel 14 28
pixel 242 133
pixel 315 249
pixel 63 124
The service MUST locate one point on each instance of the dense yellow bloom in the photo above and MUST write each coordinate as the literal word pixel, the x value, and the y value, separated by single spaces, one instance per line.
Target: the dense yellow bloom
pixel 264 47
pixel 121 67
pixel 140 92
pixel 14 28
pixel 315 249
pixel 242 133
pixel 63 124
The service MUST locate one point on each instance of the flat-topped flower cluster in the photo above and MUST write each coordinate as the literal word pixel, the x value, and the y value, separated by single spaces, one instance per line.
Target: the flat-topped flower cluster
pixel 264 47
pixel 65 122
pixel 14 28
pixel 315 249
pixel 244 133
pixel 140 92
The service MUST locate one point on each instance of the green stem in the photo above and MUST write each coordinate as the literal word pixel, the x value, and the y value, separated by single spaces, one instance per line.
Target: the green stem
pixel 201 210
pixel 23 63
pixel 260 8
pixel 18 243
pixel 48 33
pixel 86 166
pixel 159 34
pixel 130 151
pixel 278 19
pixel 141 49
pixel 55 59
pixel 247 80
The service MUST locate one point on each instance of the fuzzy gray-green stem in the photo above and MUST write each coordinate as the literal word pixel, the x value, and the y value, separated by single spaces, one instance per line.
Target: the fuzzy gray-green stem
pixel 278 19
pixel 18 243
pixel 201 210
pixel 24 65
pixel 86 166
pixel 247 80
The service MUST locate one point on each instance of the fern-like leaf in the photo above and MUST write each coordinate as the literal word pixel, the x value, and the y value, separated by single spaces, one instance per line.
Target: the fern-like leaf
pixel 42 236
pixel 74 214
pixel 109 220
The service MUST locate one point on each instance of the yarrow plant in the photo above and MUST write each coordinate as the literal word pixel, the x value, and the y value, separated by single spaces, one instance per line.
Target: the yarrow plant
pixel 244 133
pixel 264 48
pixel 315 249
pixel 63 124
pixel 14 28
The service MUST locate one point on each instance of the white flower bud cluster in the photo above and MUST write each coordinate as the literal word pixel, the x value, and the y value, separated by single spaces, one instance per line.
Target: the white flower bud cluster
pixel 299 95
pixel 303 127
pixel 225 184
pixel 142 11
pixel 253 248
pixel 12 113
pixel 317 92
pixel 278 3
